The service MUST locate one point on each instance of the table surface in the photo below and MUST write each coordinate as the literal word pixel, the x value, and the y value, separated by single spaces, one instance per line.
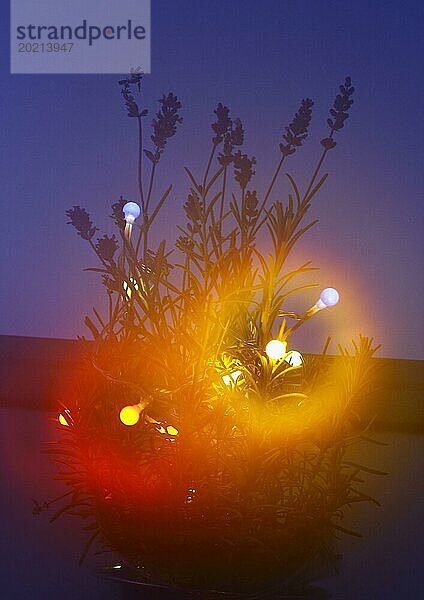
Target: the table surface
pixel 39 561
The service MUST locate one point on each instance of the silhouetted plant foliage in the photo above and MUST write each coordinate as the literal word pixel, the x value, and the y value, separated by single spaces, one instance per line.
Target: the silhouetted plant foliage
pixel 106 247
pixel 243 171
pixel 297 131
pixel 80 219
pixel 165 123
pixel 256 479
pixel 223 123
pixel 127 86
pixel 339 113
pixel 117 214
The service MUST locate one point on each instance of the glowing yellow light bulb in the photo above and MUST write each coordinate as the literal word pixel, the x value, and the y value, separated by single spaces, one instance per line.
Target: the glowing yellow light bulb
pixel 294 358
pixel 130 415
pixel 276 349
pixel 232 378
pixel 171 430
pixel 62 420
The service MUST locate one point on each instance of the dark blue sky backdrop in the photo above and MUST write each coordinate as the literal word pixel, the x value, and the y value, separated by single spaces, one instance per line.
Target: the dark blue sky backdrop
pixel 66 140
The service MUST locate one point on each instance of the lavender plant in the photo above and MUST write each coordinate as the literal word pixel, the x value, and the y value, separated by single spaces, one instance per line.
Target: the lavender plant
pixel 234 475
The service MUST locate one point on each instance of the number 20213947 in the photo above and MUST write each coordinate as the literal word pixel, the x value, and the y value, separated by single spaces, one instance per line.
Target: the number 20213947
pixel 45 47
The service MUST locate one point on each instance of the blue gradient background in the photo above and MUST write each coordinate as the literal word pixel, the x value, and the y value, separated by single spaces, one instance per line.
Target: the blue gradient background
pixel 66 140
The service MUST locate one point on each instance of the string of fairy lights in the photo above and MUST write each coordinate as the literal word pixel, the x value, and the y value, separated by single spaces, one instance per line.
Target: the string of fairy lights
pixel 275 349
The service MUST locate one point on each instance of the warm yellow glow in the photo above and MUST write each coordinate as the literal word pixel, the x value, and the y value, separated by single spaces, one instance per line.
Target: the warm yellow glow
pixel 276 349
pixel 161 429
pixel 151 420
pixel 62 420
pixel 231 378
pixel 127 287
pixel 130 415
pixel 171 430
pixel 294 358
pixel 117 567
pixel 134 282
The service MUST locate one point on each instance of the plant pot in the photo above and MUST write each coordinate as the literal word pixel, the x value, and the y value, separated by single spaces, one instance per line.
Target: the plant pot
pixel 189 557
pixel 133 586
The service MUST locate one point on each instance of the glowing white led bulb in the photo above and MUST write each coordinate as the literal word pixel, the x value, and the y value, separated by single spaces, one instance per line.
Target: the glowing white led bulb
pixel 231 378
pixel 294 358
pixel 276 349
pixel 131 212
pixel 328 297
